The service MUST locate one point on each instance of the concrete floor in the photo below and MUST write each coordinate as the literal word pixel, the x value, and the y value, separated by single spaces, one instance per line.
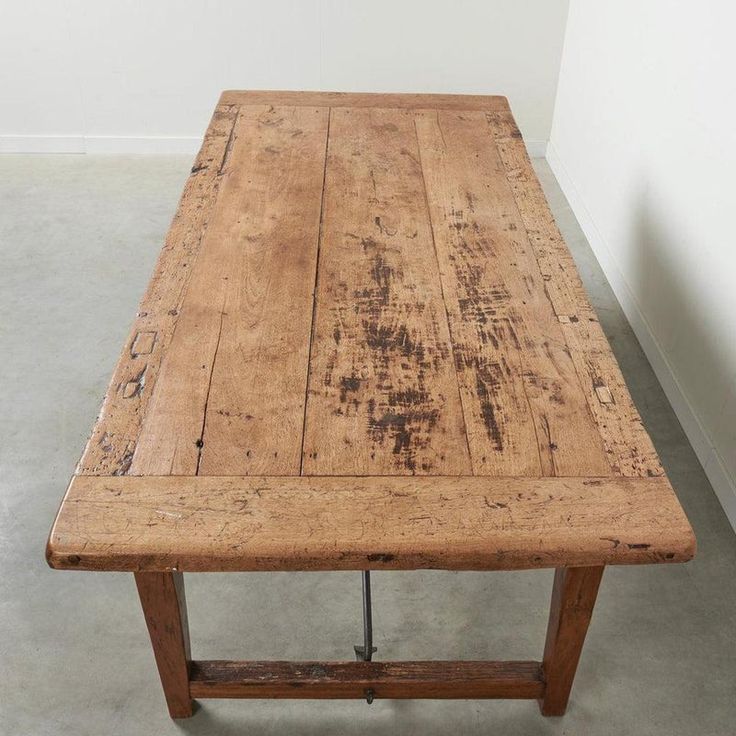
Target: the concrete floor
pixel 78 240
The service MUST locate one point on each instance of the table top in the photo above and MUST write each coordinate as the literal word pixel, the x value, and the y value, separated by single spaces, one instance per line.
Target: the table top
pixel 366 287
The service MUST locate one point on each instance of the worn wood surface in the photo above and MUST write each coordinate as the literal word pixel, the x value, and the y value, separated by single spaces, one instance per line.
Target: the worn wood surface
pixel 383 396
pixel 165 610
pixel 524 406
pixel 433 679
pixel 367 285
pixel 230 398
pixel 628 446
pixel 490 103
pixel 574 593
pixel 114 439
pixel 354 523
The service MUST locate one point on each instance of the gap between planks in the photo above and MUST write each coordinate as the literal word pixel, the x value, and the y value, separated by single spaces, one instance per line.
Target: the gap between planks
pixel 315 291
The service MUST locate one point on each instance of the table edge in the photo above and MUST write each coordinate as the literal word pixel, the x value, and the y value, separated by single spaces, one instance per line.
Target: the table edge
pixel 643 524
pixel 401 100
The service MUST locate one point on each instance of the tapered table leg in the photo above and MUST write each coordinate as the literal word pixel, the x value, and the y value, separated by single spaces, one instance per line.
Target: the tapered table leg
pixel 573 597
pixel 165 609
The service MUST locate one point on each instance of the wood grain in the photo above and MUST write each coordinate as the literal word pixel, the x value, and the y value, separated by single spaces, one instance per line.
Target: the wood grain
pixel 114 438
pixel 535 374
pixel 525 409
pixel 627 443
pixel 366 287
pixel 573 597
pixel 165 609
pixel 383 396
pixel 231 395
pixel 433 679
pixel 365 99
pixel 332 523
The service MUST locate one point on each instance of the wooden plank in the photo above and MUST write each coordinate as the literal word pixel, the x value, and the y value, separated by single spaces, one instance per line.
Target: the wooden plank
pixel 629 447
pixel 383 397
pixel 165 609
pixel 573 598
pixel 230 399
pixel 433 679
pixel 333 523
pixel 524 406
pixel 365 99
pixel 110 448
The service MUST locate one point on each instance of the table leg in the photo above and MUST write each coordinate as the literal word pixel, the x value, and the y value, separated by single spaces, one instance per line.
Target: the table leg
pixel 573 597
pixel 165 609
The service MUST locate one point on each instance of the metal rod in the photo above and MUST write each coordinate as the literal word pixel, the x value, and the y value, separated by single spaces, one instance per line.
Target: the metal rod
pixel 365 653
pixel 367 617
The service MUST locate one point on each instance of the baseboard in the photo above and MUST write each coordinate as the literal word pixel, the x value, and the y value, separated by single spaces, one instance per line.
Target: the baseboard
pixel 713 465
pixel 143 144
pixel 100 144
pixel 41 144
pixel 536 149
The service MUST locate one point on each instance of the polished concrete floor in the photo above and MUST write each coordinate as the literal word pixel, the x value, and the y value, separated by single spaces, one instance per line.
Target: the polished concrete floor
pixel 78 239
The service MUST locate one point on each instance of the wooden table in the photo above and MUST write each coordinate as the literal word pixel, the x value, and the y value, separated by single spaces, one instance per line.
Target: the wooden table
pixel 365 346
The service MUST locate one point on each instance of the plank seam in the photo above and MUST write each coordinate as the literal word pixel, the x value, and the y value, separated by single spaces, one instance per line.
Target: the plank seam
pixel 185 288
pixel 200 442
pixel 315 292
pixel 442 291
pixel 532 414
pixel 228 145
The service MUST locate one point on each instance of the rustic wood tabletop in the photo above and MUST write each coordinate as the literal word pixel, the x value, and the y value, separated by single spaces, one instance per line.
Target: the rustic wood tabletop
pixel 366 346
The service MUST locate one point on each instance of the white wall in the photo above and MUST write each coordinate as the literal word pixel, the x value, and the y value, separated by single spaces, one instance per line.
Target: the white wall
pixel 102 75
pixel 644 144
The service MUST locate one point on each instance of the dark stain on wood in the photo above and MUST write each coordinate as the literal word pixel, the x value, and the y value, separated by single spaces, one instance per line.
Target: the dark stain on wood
pixel 387 339
pixel 125 461
pixel 410 430
pixel 382 274
pixel 484 383
pixel 380 557
pixel 349 385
